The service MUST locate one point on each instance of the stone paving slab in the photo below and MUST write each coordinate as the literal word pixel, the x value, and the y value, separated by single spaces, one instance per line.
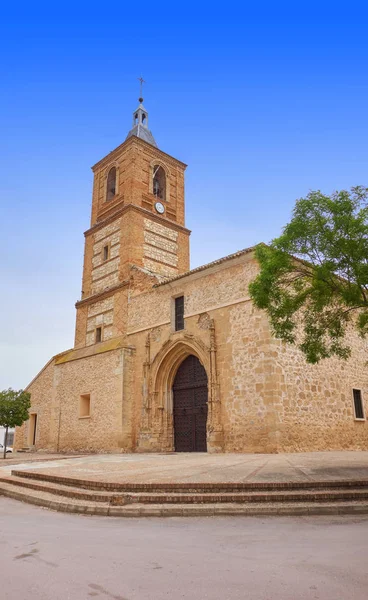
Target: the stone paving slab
pixel 198 467
pixel 16 458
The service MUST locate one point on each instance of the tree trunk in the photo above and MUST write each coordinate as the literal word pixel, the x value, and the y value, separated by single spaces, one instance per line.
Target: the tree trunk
pixel 5 440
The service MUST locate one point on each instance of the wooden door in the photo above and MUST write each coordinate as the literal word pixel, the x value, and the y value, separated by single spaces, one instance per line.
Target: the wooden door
pixel 190 407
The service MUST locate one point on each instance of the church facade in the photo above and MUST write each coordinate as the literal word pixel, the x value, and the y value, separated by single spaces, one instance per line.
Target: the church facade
pixel 172 359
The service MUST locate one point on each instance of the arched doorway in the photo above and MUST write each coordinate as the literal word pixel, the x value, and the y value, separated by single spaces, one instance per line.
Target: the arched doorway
pixel 190 394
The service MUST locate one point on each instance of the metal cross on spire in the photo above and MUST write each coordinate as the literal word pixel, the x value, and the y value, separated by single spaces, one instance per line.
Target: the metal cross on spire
pixel 142 81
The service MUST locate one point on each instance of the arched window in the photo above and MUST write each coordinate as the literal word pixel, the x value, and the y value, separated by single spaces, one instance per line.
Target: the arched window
pixel 159 182
pixel 111 184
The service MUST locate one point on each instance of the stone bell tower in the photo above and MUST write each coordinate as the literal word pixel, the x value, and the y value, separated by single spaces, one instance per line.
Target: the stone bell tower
pixel 137 220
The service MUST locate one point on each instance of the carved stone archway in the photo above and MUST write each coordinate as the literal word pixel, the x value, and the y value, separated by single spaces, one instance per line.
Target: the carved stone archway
pixel 157 416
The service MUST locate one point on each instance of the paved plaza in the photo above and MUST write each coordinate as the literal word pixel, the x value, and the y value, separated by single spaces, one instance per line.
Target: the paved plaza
pixel 198 467
pixel 54 556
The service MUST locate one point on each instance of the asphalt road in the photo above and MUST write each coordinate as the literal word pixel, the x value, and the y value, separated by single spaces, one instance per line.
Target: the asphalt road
pixel 52 556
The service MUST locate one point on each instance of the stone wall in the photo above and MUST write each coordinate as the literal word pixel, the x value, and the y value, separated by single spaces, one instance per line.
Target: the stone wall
pixel 100 314
pixel 243 350
pixel 55 397
pixel 45 404
pixel 271 399
pixel 316 401
pixel 203 292
pixel 160 248
pixel 101 376
pixel 105 273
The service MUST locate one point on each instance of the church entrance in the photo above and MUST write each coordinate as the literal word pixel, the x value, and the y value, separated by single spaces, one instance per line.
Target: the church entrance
pixel 190 394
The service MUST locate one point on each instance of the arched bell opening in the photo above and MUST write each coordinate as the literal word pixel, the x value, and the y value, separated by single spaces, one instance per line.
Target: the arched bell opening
pixel 111 184
pixel 159 182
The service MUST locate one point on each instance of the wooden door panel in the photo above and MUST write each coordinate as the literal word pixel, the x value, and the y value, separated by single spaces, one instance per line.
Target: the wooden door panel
pixel 190 407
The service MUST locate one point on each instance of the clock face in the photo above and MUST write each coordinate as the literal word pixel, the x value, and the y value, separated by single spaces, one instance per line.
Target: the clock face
pixel 160 208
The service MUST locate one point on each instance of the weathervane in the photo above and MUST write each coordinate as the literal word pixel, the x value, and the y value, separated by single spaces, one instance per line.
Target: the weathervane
pixel 142 81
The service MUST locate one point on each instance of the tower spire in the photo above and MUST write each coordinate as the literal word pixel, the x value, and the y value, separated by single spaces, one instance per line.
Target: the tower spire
pixel 140 120
pixel 142 81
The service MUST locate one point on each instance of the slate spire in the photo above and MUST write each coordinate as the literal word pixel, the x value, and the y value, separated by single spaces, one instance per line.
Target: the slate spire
pixel 140 123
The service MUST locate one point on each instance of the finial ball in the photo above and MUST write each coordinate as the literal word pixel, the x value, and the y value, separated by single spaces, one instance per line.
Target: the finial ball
pixel 140 100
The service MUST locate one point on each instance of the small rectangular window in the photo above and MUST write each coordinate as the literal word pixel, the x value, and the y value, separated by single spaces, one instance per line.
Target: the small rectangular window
pixel 106 252
pixel 98 334
pixel 85 405
pixel 179 313
pixel 358 404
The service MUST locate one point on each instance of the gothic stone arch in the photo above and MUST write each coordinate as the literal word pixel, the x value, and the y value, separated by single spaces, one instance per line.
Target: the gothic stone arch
pixel 157 431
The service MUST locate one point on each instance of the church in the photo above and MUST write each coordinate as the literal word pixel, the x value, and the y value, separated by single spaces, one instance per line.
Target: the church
pixel 168 359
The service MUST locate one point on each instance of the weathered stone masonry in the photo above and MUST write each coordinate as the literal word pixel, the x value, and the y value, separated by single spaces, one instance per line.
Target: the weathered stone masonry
pixel 262 396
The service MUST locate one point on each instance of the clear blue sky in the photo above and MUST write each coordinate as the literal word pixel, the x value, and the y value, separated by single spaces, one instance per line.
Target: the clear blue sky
pixel 263 101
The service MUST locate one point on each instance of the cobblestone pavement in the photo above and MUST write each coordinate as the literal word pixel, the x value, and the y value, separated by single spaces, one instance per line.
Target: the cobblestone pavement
pixel 309 466
pixel 54 556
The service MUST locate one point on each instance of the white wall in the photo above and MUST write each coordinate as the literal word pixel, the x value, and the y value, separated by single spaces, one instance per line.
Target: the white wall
pixel 2 434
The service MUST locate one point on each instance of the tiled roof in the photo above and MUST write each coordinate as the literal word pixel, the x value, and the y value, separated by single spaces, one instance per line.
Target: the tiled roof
pixel 207 266
pixel 143 133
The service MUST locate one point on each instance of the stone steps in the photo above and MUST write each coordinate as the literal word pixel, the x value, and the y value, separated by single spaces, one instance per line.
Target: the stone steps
pixel 192 497
pixel 57 489
pixel 187 487
pixel 67 494
pixel 84 507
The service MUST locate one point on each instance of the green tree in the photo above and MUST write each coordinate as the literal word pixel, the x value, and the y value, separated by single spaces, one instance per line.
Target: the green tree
pixel 313 279
pixel 14 407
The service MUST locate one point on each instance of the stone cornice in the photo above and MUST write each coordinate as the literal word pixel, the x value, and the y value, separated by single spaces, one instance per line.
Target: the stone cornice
pixel 147 213
pixel 101 295
pixel 136 140
pixel 118 343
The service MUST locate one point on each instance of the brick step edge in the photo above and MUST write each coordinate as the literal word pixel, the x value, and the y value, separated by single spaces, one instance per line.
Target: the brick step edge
pixel 253 496
pixel 189 486
pixel 56 489
pixel 172 510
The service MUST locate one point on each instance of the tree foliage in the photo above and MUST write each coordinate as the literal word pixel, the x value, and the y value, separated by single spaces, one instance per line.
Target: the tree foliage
pixel 313 279
pixel 14 407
